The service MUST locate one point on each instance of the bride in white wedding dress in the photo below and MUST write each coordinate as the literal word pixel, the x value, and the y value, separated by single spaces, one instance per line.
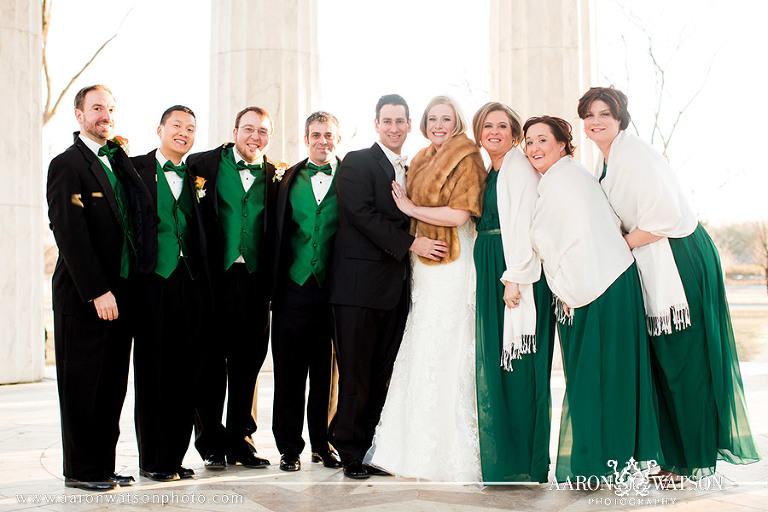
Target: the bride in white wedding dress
pixel 428 427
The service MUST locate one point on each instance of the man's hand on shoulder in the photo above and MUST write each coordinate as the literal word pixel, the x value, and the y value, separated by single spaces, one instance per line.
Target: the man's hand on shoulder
pixel 106 306
pixel 431 249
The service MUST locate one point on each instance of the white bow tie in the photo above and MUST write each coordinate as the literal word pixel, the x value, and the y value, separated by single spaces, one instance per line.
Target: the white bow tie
pixel 401 160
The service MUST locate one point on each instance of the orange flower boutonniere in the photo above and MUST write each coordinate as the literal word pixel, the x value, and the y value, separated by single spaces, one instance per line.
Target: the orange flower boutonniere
pixel 199 187
pixel 122 142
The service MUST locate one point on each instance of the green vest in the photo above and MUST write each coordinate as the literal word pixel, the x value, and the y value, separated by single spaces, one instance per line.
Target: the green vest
pixel 125 219
pixel 313 229
pixel 173 228
pixel 241 213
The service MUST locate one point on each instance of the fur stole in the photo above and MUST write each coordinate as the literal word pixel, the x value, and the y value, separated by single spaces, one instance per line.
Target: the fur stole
pixel 452 176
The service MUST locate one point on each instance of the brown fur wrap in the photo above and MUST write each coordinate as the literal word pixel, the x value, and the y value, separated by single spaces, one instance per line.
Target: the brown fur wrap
pixel 452 176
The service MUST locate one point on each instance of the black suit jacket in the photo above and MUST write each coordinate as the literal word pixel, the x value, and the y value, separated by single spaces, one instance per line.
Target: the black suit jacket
pixel 146 168
pixel 86 224
pixel 283 256
pixel 206 165
pixel 370 259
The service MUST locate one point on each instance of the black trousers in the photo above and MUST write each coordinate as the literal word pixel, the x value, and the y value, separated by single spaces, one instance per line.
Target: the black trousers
pixel 234 350
pixel 166 347
pixel 92 360
pixel 302 331
pixel 366 343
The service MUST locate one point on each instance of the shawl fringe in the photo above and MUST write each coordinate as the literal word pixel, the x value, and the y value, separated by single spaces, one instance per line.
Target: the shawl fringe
pixel 560 313
pixel 528 346
pixel 678 316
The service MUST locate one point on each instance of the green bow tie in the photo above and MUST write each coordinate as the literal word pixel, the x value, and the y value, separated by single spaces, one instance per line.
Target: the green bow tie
pixel 178 169
pixel 106 150
pixel 253 168
pixel 313 169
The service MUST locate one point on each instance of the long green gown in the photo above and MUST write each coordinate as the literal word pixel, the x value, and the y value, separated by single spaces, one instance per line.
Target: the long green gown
pixel 702 410
pixel 513 408
pixel 609 409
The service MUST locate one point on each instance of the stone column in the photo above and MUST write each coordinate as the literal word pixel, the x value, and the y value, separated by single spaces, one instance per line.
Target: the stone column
pixel 264 53
pixel 541 58
pixel 22 334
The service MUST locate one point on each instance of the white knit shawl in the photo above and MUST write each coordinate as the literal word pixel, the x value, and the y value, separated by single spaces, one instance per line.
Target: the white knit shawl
pixel 645 194
pixel 576 234
pixel 516 198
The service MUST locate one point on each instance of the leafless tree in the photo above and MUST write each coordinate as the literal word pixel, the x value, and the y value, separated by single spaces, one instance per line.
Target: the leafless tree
pixel 51 104
pixel 761 246
pixel 660 131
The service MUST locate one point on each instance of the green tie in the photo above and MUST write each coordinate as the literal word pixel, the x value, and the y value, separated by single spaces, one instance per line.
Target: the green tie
pixel 253 168
pixel 178 169
pixel 106 150
pixel 314 169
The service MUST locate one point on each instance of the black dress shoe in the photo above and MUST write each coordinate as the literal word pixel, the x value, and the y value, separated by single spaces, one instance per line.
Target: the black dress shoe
pixel 356 469
pixel 329 459
pixel 159 476
pixel 250 460
pixel 372 470
pixel 89 486
pixel 290 462
pixel 120 479
pixel 185 472
pixel 215 461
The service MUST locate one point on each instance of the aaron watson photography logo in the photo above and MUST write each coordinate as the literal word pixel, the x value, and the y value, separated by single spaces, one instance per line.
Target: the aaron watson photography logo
pixel 633 483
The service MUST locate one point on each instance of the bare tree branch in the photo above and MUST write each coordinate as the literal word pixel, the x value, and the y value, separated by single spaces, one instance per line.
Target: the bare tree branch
pixel 49 111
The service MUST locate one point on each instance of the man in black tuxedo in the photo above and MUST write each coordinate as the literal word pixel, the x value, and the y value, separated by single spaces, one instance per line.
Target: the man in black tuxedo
pixel 89 208
pixel 370 281
pixel 302 323
pixel 169 294
pixel 238 209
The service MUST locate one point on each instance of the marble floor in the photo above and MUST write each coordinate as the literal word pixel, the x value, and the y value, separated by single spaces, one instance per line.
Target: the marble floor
pixel 30 472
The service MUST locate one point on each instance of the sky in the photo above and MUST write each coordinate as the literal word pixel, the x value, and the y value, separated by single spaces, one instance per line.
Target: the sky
pixel 161 57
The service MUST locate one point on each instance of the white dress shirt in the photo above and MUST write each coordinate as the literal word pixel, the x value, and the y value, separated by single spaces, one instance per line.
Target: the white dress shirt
pixel 397 161
pixel 175 181
pixel 321 182
pixel 95 146
pixel 245 175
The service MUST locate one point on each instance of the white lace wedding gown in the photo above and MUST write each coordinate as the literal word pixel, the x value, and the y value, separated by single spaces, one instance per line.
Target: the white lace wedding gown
pixel 428 427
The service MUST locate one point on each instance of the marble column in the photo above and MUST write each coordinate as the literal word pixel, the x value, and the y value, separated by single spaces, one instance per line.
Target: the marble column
pixel 264 53
pixel 541 58
pixel 22 334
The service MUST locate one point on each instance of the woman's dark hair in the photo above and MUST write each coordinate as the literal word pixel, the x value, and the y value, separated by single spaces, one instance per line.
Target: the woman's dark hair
pixel 561 129
pixel 615 99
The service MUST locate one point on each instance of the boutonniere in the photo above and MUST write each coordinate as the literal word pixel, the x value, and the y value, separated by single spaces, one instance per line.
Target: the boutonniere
pixel 122 142
pixel 199 187
pixel 280 168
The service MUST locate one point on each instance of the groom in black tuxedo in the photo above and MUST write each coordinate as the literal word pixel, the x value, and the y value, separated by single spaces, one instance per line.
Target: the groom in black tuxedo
pixel 90 206
pixel 370 281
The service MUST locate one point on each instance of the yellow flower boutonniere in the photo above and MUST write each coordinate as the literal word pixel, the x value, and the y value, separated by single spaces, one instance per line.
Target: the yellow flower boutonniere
pixel 199 187
pixel 280 168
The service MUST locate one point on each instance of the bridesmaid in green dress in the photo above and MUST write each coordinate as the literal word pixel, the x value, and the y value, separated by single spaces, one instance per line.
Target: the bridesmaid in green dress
pixel 609 410
pixel 702 409
pixel 514 317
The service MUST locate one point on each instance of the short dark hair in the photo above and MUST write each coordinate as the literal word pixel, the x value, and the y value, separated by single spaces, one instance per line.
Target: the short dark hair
pixel 616 100
pixel 175 108
pixel 392 99
pixel 80 96
pixel 561 129
pixel 320 117
pixel 494 106
pixel 260 112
